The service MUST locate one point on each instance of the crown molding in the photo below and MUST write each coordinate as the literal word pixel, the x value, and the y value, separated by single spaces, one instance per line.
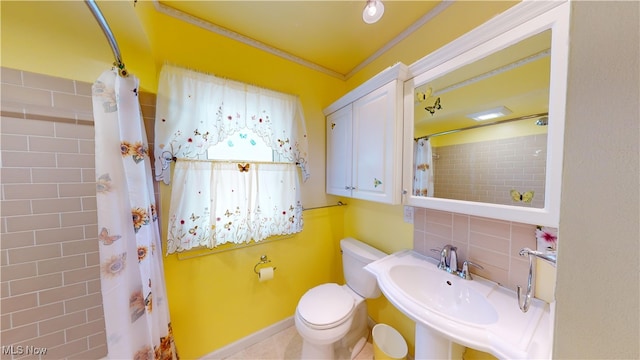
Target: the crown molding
pixel 403 35
pixel 193 20
pixel 399 72
pixel 512 17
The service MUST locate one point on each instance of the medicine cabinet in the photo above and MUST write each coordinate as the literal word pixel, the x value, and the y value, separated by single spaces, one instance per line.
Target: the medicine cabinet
pixel 364 139
pixel 509 167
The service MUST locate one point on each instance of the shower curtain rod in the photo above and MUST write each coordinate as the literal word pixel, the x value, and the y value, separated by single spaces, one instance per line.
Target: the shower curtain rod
pixel 526 117
pixel 95 10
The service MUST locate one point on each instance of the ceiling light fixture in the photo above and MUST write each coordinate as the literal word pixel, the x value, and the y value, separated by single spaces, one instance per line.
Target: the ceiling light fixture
pixel 490 114
pixel 372 11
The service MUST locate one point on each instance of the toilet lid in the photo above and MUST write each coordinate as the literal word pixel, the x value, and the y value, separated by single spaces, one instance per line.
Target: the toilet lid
pixel 325 304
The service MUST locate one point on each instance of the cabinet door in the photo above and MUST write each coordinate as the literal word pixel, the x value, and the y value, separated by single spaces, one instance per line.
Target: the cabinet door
pixel 377 125
pixel 339 152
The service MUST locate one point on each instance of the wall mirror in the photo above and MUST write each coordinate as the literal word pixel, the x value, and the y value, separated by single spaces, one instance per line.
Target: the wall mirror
pixel 484 127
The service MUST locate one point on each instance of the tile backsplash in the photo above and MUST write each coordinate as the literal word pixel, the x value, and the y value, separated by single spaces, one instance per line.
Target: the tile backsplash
pixel 494 244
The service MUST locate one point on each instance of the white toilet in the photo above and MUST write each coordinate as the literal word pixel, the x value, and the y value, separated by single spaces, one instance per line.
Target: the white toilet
pixel 332 314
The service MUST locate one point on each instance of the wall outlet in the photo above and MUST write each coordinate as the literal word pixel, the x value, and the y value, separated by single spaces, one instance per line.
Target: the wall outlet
pixel 408 214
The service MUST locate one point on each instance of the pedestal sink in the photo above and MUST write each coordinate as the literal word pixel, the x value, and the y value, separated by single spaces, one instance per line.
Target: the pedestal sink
pixel 448 294
pixel 449 310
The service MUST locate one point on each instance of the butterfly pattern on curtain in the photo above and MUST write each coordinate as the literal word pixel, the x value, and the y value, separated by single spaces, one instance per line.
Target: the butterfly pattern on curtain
pixel 215 202
pixel 196 111
pixel 131 272
pixel 265 198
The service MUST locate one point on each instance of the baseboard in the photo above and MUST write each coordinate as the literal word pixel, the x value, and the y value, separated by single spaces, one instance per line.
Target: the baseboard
pixel 263 334
pixel 250 340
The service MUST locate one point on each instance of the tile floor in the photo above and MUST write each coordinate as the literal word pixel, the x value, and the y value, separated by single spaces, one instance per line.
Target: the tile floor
pixel 287 344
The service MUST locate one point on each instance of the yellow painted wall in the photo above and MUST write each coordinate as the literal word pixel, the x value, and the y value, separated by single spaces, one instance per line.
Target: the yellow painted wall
pixel 382 225
pixel 216 299
pixel 62 39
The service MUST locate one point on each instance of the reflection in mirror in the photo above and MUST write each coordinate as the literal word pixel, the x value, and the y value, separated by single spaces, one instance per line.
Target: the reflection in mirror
pixel 500 156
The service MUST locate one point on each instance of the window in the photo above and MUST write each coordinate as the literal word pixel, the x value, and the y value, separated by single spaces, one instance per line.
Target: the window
pixel 244 145
pixel 237 149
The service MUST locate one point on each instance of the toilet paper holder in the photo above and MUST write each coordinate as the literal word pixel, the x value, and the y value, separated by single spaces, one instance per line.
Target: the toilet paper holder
pixel 263 260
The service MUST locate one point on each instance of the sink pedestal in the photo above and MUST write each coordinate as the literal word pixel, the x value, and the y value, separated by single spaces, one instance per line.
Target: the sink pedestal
pixel 430 344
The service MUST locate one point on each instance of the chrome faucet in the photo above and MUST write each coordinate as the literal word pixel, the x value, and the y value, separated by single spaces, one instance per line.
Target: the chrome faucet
pixel 465 273
pixel 448 259
pixel 449 262
pixel 453 260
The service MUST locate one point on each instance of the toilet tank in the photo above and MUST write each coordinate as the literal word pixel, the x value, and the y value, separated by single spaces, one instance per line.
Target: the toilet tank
pixel 355 256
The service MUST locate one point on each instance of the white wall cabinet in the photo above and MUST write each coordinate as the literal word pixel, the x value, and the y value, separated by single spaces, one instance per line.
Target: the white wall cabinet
pixel 364 141
pixel 339 159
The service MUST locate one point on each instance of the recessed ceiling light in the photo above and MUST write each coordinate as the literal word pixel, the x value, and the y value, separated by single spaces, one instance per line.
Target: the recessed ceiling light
pixel 490 114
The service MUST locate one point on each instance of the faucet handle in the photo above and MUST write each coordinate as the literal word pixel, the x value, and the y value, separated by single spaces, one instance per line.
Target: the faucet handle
pixel 465 274
pixel 444 253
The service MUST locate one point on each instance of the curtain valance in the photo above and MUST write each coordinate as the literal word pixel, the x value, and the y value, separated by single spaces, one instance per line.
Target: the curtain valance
pixel 195 111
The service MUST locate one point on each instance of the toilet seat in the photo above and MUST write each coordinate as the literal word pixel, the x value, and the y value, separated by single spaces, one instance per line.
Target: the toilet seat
pixel 326 306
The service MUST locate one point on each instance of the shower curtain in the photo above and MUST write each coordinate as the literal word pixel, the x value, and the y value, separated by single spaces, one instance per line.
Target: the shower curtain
pixel 133 288
pixel 423 172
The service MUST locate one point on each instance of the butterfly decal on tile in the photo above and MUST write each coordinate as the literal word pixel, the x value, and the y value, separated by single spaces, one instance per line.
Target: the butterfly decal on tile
pixel 436 106
pixel 525 197
pixel 243 168
pixel 106 238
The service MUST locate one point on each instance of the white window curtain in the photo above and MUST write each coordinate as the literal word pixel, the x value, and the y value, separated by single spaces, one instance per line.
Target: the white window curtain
pixel 214 203
pixel 218 202
pixel 423 172
pixel 195 111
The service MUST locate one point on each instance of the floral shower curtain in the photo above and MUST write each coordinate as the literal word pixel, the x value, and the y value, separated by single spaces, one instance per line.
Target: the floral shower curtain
pixel 132 278
pixel 423 172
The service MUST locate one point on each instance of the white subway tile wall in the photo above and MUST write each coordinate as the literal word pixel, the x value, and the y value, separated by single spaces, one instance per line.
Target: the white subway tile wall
pixel 50 271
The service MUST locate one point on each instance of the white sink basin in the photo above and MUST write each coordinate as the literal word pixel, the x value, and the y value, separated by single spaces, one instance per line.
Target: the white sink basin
pixel 445 293
pixel 476 313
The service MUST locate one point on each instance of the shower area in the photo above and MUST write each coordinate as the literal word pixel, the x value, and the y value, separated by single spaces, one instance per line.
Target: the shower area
pixel 508 170
pixel 56 276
